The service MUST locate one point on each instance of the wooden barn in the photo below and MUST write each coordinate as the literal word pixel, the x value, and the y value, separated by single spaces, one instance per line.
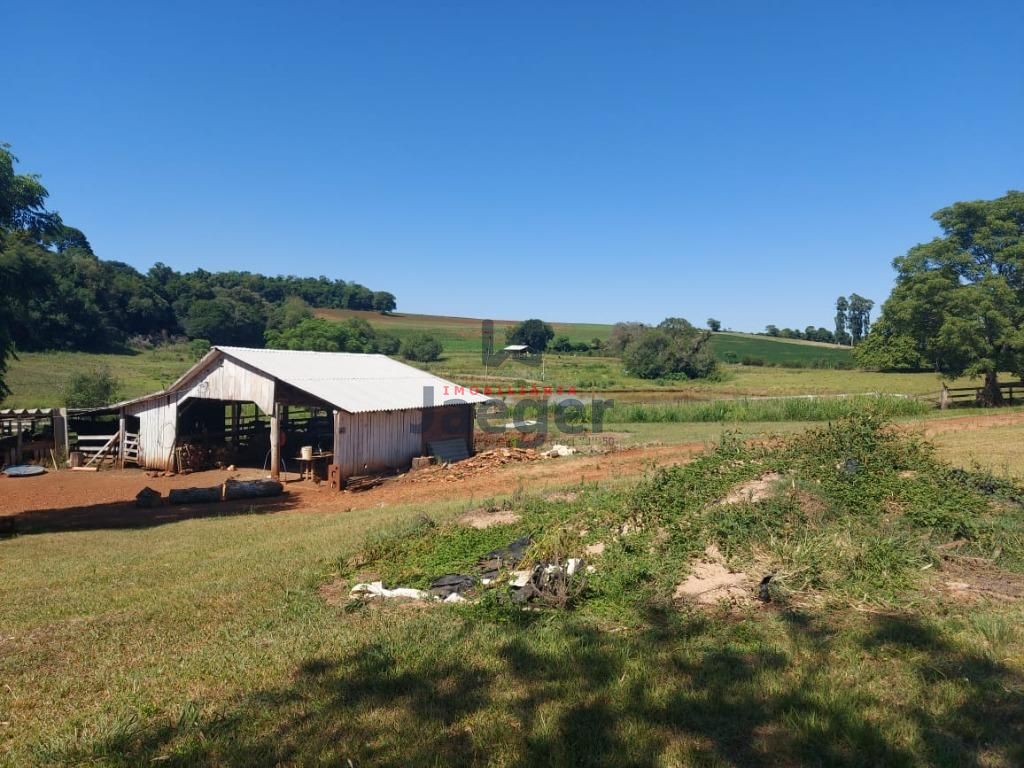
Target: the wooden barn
pixel 261 407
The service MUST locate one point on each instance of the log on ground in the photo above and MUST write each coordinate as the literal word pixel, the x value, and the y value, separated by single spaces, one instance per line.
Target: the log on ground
pixel 194 495
pixel 251 489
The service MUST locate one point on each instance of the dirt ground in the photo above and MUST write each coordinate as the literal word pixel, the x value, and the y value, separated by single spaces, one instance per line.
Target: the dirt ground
pixel 964 423
pixel 69 500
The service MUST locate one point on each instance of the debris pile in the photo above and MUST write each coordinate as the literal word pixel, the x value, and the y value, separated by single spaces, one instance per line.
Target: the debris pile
pixel 484 461
pixel 545 583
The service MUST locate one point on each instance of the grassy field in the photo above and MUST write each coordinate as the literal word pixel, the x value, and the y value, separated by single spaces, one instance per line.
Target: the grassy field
pixel 462 335
pixel 37 378
pixel 210 642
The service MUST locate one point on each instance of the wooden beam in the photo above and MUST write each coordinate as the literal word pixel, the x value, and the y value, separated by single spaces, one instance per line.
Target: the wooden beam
pixel 275 443
pixel 104 449
pixel 122 431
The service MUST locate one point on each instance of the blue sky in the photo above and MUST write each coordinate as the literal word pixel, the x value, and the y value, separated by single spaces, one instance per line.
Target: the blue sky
pixel 582 161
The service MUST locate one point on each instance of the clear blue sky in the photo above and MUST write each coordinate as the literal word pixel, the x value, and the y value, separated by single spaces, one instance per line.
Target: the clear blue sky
pixel 583 161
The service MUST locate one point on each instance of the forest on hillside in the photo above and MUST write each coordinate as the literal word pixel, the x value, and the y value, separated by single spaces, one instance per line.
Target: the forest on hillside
pixel 59 294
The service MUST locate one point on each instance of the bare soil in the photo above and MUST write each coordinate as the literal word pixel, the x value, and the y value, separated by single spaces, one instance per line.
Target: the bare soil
pixel 88 500
pixel 711 582
pixel 972 578
pixel 752 491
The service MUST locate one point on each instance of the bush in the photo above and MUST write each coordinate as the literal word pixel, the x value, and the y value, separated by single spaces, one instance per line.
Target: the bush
pixel 198 347
pixel 421 347
pixel 675 349
pixel 91 389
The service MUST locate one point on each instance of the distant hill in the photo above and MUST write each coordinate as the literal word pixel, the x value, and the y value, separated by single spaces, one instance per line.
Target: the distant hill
pixel 462 334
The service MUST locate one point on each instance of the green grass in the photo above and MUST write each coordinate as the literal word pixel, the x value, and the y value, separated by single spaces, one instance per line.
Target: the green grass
pixel 207 642
pixel 786 409
pixel 734 347
pixel 37 379
pixel 462 335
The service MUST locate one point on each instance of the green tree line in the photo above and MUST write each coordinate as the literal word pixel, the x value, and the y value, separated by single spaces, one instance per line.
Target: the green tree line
pixel 58 294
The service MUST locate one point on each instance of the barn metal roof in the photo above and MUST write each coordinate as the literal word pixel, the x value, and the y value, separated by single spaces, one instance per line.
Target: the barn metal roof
pixel 354 382
pixel 27 412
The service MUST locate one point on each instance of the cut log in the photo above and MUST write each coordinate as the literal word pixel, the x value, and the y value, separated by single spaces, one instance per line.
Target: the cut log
pixel 147 498
pixel 194 495
pixel 251 489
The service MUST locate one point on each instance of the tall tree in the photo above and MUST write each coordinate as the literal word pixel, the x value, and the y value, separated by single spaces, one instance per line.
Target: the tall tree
pixel 859 317
pixel 842 308
pixel 958 303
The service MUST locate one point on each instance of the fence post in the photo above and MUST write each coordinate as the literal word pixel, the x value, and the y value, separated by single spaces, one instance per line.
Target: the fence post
pixel 944 398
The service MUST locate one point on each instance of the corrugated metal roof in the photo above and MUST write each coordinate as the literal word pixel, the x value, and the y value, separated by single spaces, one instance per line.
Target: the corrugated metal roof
pixel 9 412
pixel 353 382
pixel 516 348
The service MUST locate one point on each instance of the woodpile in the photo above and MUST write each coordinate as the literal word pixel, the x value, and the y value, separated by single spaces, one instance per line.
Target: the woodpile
pixel 485 461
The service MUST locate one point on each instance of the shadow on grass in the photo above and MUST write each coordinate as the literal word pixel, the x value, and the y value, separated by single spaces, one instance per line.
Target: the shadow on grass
pixel 438 687
pixel 125 514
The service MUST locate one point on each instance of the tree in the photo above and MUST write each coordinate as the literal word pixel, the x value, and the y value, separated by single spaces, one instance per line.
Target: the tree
pixel 235 317
pixel 858 317
pixel 421 347
pixel 384 302
pixel 622 334
pixel 958 303
pixel 562 344
pixel 771 330
pixel 674 349
pixel 289 313
pixel 534 333
pixel 714 325
pixel 91 389
pixel 842 308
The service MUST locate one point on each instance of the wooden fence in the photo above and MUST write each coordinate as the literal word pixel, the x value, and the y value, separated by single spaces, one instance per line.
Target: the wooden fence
pixel 964 395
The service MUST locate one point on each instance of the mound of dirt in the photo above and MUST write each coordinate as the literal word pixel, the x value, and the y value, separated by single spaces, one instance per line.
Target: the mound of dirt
pixel 711 582
pixel 752 490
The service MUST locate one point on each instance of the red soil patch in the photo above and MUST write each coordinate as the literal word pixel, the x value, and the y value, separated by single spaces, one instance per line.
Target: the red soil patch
pixel 81 500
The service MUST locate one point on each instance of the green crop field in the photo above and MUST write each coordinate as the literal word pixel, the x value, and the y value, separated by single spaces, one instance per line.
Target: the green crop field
pixel 734 347
pixel 462 334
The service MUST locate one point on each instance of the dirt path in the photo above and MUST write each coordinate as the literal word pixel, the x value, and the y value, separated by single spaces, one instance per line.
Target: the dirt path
pixel 79 500
pixel 964 423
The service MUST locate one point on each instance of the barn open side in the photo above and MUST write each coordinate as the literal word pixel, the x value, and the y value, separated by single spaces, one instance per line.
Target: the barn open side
pixel 260 406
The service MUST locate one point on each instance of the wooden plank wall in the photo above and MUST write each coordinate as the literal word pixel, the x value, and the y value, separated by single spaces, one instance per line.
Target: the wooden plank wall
pixel 158 420
pixel 224 379
pixel 372 442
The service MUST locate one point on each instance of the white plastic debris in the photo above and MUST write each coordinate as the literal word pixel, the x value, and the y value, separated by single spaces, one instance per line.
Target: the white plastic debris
pixel 377 589
pixel 520 578
pixel 559 450
pixel 455 597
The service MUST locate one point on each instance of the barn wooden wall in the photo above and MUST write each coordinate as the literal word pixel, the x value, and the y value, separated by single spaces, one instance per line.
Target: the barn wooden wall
pixel 224 379
pixel 375 441
pixel 158 420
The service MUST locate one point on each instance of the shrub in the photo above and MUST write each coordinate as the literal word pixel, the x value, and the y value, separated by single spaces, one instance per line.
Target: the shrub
pixel 91 389
pixel 421 347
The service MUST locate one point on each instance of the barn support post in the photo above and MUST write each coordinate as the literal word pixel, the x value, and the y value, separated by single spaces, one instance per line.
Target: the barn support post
pixel 60 431
pixel 236 413
pixel 17 445
pixel 275 442
pixel 123 441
